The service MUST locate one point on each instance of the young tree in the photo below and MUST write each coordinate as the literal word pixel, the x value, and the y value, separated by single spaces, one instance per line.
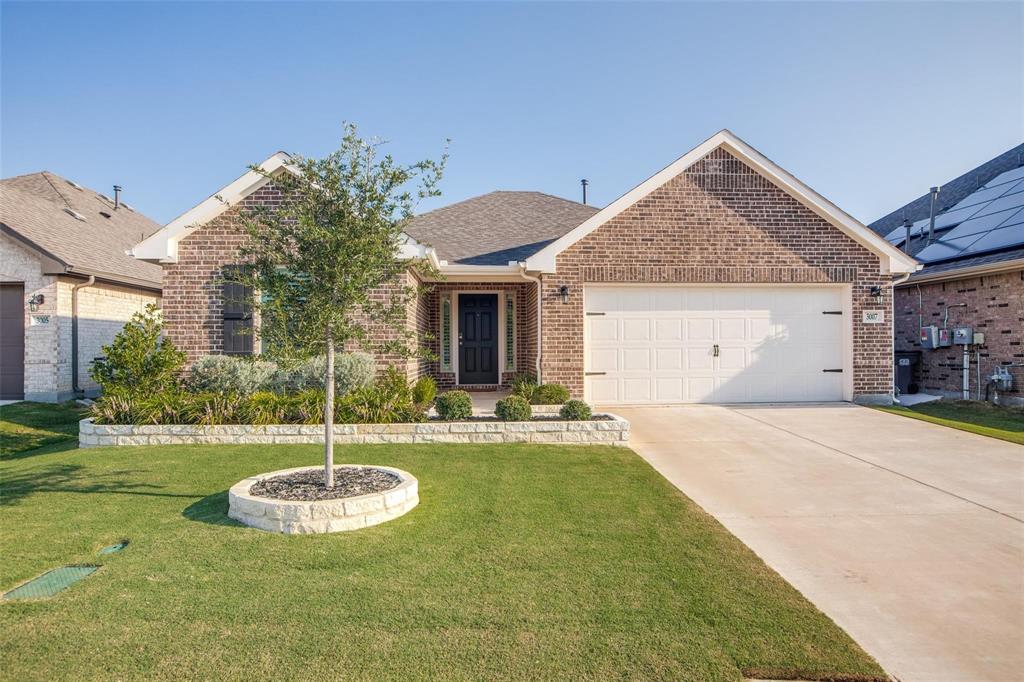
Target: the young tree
pixel 316 257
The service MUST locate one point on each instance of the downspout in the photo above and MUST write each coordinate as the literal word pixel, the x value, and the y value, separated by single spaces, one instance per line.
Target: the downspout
pixel 74 334
pixel 536 280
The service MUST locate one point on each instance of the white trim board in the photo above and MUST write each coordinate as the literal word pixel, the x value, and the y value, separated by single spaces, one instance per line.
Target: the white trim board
pixel 892 259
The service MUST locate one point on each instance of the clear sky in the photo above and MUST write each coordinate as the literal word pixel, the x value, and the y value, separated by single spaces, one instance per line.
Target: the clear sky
pixel 869 103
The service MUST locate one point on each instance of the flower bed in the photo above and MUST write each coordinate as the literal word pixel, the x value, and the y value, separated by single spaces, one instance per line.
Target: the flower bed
pixel 605 429
pixel 303 516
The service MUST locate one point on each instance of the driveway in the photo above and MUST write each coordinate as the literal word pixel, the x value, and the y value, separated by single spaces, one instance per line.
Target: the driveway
pixel 908 534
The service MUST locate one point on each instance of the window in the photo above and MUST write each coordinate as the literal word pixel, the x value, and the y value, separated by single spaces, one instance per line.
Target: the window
pixel 446 333
pixel 510 332
pixel 237 317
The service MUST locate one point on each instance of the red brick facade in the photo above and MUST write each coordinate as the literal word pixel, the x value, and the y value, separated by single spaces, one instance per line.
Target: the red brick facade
pixel 717 222
pixel 995 306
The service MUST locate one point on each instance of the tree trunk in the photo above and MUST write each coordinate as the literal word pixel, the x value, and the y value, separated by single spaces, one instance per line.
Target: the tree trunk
pixel 329 415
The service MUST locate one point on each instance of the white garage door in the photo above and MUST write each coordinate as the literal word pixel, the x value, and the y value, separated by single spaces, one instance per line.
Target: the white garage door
pixel 659 345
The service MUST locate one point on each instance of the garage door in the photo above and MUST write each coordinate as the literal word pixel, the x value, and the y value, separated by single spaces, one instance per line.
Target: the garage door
pixel 663 345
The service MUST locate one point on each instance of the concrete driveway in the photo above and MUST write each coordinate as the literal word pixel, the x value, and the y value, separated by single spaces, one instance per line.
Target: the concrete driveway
pixel 909 535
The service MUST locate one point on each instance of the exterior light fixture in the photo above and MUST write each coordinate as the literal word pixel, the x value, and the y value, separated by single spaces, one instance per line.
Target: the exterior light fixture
pixel 35 302
pixel 876 291
pixel 563 291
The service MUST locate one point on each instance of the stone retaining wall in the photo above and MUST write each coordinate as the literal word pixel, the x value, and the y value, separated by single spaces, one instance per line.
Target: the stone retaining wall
pixel 614 431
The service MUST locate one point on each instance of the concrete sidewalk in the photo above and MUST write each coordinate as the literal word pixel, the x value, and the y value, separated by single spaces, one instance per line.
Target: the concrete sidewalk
pixel 908 534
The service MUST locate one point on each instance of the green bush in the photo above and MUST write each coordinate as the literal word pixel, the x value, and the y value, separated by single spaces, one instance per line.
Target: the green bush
pixel 423 392
pixel 454 405
pixel 351 371
pixel 524 386
pixel 138 360
pixel 550 394
pixel 231 374
pixel 389 400
pixel 514 408
pixel 575 410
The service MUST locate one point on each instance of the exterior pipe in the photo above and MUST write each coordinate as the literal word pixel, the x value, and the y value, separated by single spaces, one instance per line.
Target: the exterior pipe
pixel 74 334
pixel 535 280
pixel 931 218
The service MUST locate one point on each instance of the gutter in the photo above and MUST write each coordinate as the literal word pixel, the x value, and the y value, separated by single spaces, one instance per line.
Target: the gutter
pixel 971 271
pixel 536 280
pixel 74 334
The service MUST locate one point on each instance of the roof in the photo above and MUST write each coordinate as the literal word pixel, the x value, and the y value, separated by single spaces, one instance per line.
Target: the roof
pixel 77 227
pixel 495 228
pixel 952 192
pixel 893 260
pixel 980 222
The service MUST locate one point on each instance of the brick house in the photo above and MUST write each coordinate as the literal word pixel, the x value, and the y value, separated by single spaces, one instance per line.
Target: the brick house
pixel 973 276
pixel 722 278
pixel 67 284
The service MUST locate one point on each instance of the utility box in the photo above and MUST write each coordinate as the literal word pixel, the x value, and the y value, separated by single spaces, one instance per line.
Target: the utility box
pixel 963 336
pixel 930 337
pixel 979 338
pixel 945 338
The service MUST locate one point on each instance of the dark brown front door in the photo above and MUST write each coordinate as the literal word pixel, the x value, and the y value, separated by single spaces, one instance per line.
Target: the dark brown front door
pixel 12 341
pixel 478 338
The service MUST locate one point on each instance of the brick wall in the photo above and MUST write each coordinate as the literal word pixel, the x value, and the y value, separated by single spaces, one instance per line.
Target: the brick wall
pixel 995 306
pixel 717 222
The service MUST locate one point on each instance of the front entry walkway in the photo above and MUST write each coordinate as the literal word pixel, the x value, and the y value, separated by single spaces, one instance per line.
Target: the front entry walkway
pixel 909 535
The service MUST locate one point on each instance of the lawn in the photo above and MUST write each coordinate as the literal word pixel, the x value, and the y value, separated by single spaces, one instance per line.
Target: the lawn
pixel 1005 423
pixel 26 426
pixel 521 562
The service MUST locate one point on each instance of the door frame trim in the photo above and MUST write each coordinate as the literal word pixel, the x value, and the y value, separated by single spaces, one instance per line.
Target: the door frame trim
pixel 846 298
pixel 456 293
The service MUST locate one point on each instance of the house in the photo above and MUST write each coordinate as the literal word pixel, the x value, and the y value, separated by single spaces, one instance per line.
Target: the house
pixel 973 279
pixel 721 278
pixel 67 284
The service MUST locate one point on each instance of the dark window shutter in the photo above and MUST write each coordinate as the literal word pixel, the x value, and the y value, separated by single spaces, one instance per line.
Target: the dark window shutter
pixel 237 318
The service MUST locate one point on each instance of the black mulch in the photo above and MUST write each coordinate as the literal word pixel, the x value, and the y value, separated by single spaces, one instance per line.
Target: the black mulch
pixel 309 485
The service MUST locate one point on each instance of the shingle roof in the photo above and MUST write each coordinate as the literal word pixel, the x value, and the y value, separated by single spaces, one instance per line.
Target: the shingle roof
pixel 36 207
pixel 495 228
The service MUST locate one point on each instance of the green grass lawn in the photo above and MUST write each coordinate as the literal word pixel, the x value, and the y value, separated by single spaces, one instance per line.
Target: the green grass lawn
pixel 521 562
pixel 1005 423
pixel 26 426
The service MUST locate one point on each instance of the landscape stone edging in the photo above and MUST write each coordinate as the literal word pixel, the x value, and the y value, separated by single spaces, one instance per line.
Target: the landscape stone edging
pixel 321 516
pixel 613 431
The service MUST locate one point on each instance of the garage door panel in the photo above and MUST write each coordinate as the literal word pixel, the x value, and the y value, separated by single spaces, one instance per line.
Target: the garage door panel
pixel 657 344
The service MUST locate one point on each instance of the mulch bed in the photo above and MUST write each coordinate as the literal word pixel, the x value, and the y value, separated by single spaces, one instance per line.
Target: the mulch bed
pixel 307 486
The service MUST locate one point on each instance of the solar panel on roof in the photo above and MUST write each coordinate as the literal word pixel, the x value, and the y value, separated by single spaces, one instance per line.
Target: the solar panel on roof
pixel 945 248
pixel 1001 238
pixel 982 223
pixel 1008 176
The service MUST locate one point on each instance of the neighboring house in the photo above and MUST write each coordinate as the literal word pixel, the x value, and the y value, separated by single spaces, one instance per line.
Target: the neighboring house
pixel 67 284
pixel 973 276
pixel 722 278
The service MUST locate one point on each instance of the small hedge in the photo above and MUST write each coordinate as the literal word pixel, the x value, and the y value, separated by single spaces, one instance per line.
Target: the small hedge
pixel 549 394
pixel 454 405
pixel 513 409
pixel 575 411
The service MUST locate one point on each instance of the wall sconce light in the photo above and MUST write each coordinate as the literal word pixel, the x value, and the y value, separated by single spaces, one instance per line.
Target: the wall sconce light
pixel 563 291
pixel 876 292
pixel 35 302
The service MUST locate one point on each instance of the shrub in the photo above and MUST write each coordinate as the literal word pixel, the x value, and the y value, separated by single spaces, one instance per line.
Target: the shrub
pixel 423 392
pixel 265 407
pixel 351 371
pixel 229 374
pixel 524 386
pixel 138 360
pixel 514 408
pixel 575 410
pixel 454 405
pixel 550 394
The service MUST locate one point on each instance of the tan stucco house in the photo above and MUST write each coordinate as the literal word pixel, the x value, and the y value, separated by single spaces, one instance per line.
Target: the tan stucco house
pixel 67 283
pixel 721 278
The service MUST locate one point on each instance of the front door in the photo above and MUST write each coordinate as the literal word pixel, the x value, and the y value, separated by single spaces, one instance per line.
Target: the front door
pixel 478 338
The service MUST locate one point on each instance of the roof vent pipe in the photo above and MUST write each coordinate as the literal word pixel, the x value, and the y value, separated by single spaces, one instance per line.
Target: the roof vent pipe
pixel 117 196
pixel 906 241
pixel 584 182
pixel 931 214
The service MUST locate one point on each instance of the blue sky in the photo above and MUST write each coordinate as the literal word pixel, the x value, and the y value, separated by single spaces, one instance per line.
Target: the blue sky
pixel 869 103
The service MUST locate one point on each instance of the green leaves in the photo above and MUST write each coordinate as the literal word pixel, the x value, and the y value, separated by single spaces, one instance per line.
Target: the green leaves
pixel 138 360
